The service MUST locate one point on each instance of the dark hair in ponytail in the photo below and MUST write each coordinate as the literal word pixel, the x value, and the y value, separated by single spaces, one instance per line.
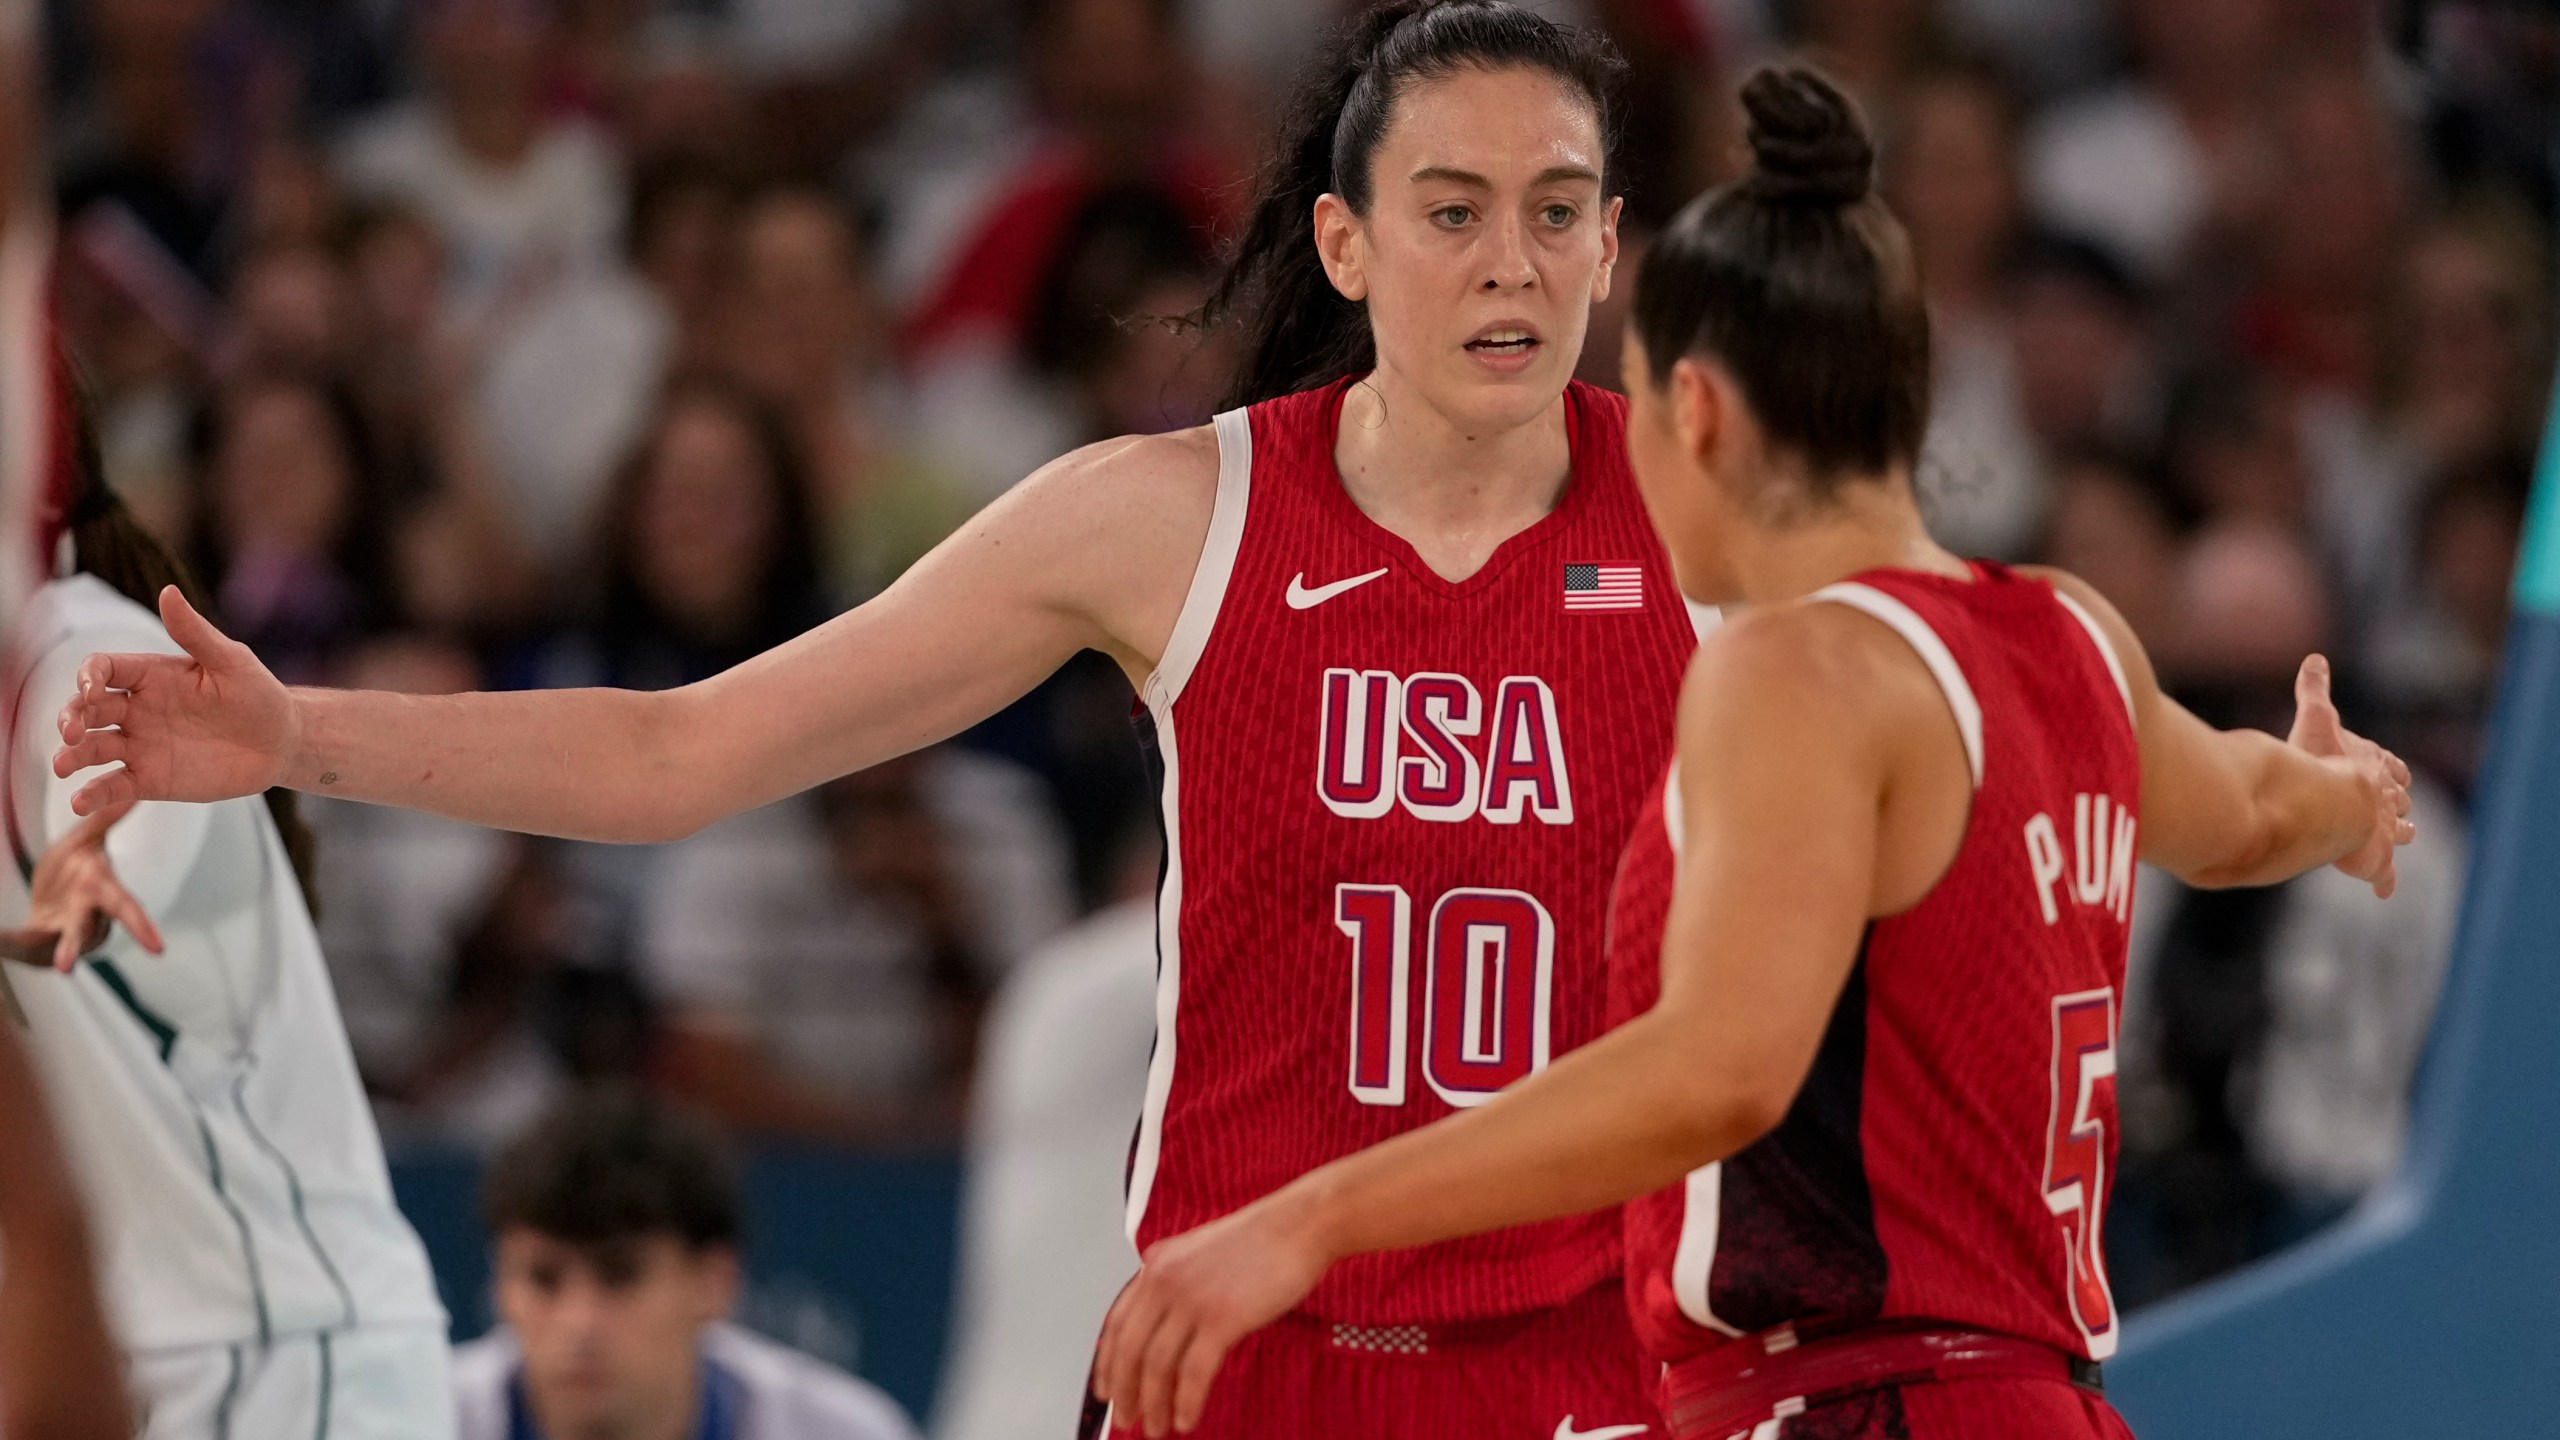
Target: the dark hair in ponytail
pixel 1801 282
pixel 1299 331
pixel 109 543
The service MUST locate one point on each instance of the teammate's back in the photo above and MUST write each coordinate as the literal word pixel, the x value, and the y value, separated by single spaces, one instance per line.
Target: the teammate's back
pixel 1948 1157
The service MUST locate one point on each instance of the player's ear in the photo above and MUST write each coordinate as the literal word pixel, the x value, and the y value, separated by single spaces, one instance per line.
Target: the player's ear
pixel 1339 245
pixel 1602 279
pixel 1701 404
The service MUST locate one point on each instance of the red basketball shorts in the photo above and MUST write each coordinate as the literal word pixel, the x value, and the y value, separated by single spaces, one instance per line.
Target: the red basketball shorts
pixel 1961 1409
pixel 1572 1371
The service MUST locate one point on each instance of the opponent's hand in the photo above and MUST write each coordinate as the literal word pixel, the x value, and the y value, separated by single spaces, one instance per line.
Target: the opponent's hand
pixel 76 894
pixel 2318 730
pixel 212 724
pixel 1195 1297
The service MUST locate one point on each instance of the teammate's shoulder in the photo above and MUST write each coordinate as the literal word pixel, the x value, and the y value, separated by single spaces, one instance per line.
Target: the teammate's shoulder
pixel 1802 641
pixel 800 1397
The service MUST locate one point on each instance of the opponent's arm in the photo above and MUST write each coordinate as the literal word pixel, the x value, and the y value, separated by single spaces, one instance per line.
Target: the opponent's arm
pixel 2241 807
pixel 59 1376
pixel 1094 551
pixel 1782 780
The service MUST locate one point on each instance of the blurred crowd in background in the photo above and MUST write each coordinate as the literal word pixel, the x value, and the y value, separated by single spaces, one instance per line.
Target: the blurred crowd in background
pixel 473 343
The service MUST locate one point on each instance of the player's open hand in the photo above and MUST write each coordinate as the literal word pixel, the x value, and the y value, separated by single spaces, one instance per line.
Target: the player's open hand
pixel 76 894
pixel 211 724
pixel 2318 730
pixel 1195 1297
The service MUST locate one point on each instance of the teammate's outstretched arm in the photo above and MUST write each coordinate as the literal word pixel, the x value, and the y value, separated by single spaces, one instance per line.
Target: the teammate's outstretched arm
pixel 2240 807
pixel 1094 551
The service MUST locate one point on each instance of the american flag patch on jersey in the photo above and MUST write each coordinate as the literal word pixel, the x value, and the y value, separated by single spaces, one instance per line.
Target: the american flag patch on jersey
pixel 1604 587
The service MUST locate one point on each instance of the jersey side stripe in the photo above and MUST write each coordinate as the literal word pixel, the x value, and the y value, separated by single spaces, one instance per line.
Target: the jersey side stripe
pixel 1190 637
pixel 1933 651
pixel 1693 1264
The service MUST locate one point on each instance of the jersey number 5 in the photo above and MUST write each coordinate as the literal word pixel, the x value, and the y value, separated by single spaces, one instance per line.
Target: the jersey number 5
pixel 1487 990
pixel 2075 1164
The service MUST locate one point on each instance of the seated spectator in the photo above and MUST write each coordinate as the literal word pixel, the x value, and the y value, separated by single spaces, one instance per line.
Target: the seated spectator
pixel 2111 527
pixel 2466 369
pixel 823 963
pixel 2084 359
pixel 1107 330
pixel 568 387
pixel 1044 1239
pixel 2176 155
pixel 518 199
pixel 2434 662
pixel 708 553
pixel 290 535
pixel 1953 180
pixel 800 326
pixel 616 1228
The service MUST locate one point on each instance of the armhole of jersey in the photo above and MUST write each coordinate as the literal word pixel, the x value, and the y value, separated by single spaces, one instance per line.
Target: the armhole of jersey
pixel 1217 563
pixel 2106 647
pixel 1933 653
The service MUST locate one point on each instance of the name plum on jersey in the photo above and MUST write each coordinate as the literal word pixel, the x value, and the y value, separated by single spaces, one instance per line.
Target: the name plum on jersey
pixel 2100 868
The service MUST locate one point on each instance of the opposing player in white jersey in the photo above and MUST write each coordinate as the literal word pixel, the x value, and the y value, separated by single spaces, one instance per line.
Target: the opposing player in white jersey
pixel 258 1275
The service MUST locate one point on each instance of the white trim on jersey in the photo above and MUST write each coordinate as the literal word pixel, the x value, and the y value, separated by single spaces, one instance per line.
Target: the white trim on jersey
pixel 1191 629
pixel 2106 647
pixel 1217 564
pixel 1693 1264
pixel 1933 652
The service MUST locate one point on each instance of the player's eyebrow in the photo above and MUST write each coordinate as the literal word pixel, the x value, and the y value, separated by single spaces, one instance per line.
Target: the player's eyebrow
pixel 1552 175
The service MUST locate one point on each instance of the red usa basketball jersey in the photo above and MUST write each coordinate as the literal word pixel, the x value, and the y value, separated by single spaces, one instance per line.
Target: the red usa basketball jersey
pixel 1392 807
pixel 1950 1153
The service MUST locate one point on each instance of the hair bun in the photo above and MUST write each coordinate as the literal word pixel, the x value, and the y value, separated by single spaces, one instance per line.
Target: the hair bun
pixel 1807 142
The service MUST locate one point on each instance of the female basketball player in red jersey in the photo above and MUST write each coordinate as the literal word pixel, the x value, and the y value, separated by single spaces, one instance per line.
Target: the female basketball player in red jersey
pixel 1409 651
pixel 1870 938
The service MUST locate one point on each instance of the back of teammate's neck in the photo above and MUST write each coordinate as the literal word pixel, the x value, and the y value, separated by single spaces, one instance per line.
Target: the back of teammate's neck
pixel 1865 525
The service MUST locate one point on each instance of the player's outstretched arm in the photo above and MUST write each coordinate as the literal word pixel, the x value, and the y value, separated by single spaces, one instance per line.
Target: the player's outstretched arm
pixel 1792 723
pixel 59 1376
pixel 1094 551
pixel 2238 807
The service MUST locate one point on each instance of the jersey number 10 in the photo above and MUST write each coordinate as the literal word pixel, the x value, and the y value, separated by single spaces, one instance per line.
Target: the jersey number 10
pixel 1487 990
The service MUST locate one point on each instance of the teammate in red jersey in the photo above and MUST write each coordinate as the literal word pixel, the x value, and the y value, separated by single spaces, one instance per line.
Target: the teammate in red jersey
pixel 1409 652
pixel 1873 931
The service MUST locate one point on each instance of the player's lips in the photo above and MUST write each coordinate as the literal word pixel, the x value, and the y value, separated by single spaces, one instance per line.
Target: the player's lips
pixel 1505 345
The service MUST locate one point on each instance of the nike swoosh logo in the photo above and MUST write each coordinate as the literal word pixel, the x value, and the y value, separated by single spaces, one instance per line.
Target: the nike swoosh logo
pixel 1302 598
pixel 1565 1431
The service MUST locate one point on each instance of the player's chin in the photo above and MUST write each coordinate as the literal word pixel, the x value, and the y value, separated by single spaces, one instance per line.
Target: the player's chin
pixel 1499 398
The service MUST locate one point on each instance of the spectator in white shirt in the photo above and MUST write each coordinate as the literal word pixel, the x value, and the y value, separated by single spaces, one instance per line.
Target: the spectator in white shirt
pixel 616 1226
pixel 822 963
pixel 518 197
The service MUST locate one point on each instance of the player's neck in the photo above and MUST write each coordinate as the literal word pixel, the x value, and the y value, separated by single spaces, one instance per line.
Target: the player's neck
pixel 1866 526
pixel 1454 492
